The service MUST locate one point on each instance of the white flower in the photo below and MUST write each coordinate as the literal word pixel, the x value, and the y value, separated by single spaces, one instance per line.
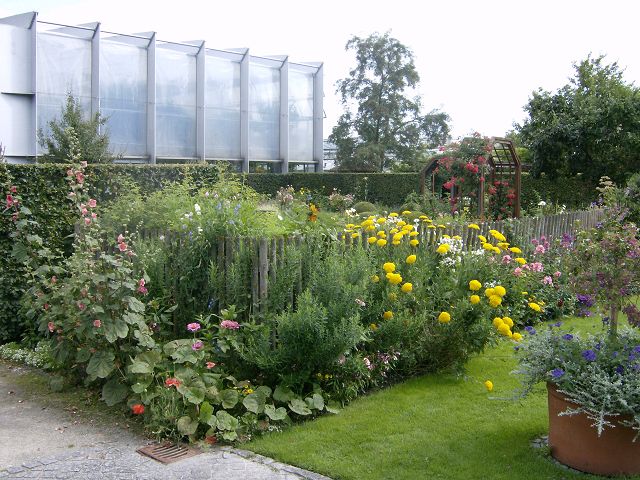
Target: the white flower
pixel 280 217
pixel 161 238
pixel 542 203
pixel 197 209
pixel 199 229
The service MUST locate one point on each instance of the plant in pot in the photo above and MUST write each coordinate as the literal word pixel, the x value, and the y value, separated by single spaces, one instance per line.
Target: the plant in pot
pixel 593 381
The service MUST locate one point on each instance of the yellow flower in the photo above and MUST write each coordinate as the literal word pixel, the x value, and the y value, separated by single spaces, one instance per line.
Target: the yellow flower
pixel 247 391
pixel 393 231
pixel 381 243
pixel 535 306
pixel 389 267
pixel 505 330
pixel 388 315
pixel 406 212
pixel 482 238
pixel 474 226
pixel 423 217
pixel 515 250
pixel 500 290
pixel 373 327
pixel 397 237
pixel 375 278
pixel 520 260
pixel 413 234
pixel 487 246
pixel 489 291
pixel 503 245
pixel 411 259
pixel 394 278
pixel 370 228
pixel 395 242
pixel 457 237
pixel 444 317
pixel 382 234
pixel 401 223
pixel 355 235
pixel 349 225
pixel 371 240
pixel 407 228
pixel 393 214
pixel 488 385
pixel 495 301
pixel 367 223
pixel 407 287
pixel 428 220
pixel 475 285
pixel 496 250
pixel 525 293
pixel 441 226
pixel 413 242
pixel 508 321
pixel 474 299
pixel 517 337
pixel 497 235
pixel 443 248
pixel 432 227
pixel 497 321
pixel 446 236
pixel 381 220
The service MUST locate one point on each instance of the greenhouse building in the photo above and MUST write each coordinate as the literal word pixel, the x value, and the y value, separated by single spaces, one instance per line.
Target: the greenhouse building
pixel 164 101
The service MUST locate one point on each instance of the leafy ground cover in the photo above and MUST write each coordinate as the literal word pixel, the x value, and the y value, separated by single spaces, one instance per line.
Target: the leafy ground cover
pixel 437 426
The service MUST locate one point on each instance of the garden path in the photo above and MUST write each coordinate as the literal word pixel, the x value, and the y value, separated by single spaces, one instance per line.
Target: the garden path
pixel 41 438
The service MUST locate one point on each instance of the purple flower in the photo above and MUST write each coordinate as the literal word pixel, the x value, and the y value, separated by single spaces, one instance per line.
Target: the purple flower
pixel 197 345
pixel 567 336
pixel 556 373
pixel 229 324
pixel 589 355
pixel 557 324
pixel 193 327
pixel 619 369
pixel 530 330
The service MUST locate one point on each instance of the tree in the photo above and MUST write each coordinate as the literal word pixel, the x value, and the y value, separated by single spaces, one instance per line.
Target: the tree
pixel 589 126
pixel 73 130
pixel 381 126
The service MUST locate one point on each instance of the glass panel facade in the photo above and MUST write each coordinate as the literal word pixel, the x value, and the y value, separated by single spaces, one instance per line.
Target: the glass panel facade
pixel 222 108
pixel 264 112
pixel 175 104
pixel 123 92
pixel 64 66
pixel 300 116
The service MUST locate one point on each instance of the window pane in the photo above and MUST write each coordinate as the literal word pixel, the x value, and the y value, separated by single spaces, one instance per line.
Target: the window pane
pixel 222 108
pixel 300 116
pixel 264 112
pixel 175 104
pixel 123 91
pixel 63 66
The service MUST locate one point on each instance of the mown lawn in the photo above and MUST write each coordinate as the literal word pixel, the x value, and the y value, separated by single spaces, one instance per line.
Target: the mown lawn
pixel 433 427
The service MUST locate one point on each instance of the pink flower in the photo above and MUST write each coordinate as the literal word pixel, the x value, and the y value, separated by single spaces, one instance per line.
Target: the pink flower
pixel 547 280
pixel 193 327
pixel 13 189
pixel 210 365
pixel 367 363
pixel 83 164
pixel 51 326
pixel 87 221
pixel 517 272
pixel 72 194
pixel 94 215
pixel 122 247
pixel 557 274
pixel 120 238
pixel 198 345
pixel 141 282
pixel 92 203
pixel 230 324
pixel 80 177
pixel 54 279
pixel 143 290
pixel 84 211
pixel 81 306
pixel 536 266
pixel 540 249
pixel 506 259
pixel 46 306
pixel 70 172
pixel 172 382
pixel 97 323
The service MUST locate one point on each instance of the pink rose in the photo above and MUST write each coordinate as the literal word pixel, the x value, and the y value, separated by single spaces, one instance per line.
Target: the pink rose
pixel 120 238
pixel 87 221
pixel 84 211
pixel 81 306
pixel 557 274
pixel 122 247
pixel 94 215
pixel 51 326
pixel 93 203
pixel 97 323
pixel 80 177
pixel 13 189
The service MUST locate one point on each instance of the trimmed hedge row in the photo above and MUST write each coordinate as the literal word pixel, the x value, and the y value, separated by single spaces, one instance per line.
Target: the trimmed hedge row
pixel 44 190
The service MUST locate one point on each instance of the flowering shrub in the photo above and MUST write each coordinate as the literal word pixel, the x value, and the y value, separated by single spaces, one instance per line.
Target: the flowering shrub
pixel 339 202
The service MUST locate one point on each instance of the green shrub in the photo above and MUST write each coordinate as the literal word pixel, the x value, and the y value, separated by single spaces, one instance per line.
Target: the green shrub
pixel 364 207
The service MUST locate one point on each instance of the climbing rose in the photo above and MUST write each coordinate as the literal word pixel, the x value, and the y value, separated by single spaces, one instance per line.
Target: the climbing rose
pixel 92 203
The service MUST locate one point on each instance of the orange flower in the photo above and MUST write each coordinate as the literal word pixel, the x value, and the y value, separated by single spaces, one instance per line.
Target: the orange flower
pixel 137 409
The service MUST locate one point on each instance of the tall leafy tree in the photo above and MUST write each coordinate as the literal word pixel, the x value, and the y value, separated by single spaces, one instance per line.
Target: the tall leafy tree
pixel 382 125
pixel 72 129
pixel 589 126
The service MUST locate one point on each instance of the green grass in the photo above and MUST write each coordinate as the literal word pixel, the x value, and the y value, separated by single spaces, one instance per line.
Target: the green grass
pixel 436 427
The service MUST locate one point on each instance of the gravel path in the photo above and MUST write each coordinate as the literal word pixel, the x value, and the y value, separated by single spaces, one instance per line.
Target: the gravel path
pixel 41 441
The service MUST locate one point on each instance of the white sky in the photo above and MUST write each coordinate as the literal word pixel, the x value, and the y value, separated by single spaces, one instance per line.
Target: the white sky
pixel 478 61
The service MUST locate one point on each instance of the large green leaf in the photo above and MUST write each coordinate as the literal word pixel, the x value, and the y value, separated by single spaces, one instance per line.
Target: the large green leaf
pixel 283 394
pixel 101 364
pixel 254 403
pixel 226 421
pixel 206 412
pixel 114 392
pixel 229 398
pixel 135 305
pixel 186 425
pixel 299 406
pixel 274 413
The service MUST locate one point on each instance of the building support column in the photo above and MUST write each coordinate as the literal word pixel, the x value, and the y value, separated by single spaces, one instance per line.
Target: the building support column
pixel 318 116
pixel 244 111
pixel 151 99
pixel 284 116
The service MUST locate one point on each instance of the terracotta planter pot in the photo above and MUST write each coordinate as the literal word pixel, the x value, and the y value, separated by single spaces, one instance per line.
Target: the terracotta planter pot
pixel 574 442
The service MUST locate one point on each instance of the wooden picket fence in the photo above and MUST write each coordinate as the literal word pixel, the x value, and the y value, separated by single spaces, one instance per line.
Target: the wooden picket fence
pixel 267 255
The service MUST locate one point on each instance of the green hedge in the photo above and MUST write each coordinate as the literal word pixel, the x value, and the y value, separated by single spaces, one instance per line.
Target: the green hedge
pixel 44 190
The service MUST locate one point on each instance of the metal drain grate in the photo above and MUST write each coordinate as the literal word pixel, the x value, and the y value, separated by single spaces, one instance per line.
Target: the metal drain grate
pixel 168 452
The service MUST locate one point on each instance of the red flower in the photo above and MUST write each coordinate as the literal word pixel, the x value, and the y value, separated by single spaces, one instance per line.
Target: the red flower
pixel 172 382
pixel 137 409
pixel 211 439
pixel 51 327
pixel 210 365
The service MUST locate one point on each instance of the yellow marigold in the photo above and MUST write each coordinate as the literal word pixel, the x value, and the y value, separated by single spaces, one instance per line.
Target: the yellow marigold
pixel 487 246
pixel 401 223
pixel 488 385
pixel 370 228
pixel 413 234
pixel 393 214
pixel 482 238
pixel 444 317
pixel 474 226
pixel 517 337
pixel 388 315
pixel 393 231
pixel 381 243
pixel 382 234
pixel 407 228
pixel 489 291
pixel 375 278
pixel 443 248
pixel 495 300
pixel 496 249
pixel 508 321
pixel 535 306
pixel 475 285
pixel 497 321
pixel 355 235
pixel 413 242
pixel 389 267
pixel 505 330
pixel 520 260
pixel 406 212
pixel 381 220
pixel 371 240
pixel 411 259
pixel 474 299
pixel 395 242
pixel 515 250
pixel 394 278
pixel 407 287
pixel 398 236
pixel 373 327
pixel 500 290
pixel 367 222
